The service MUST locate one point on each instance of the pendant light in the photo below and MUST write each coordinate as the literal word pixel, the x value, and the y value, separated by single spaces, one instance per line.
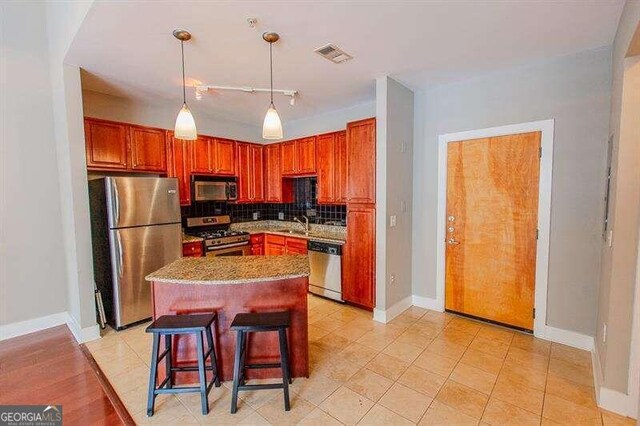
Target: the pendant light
pixel 185 124
pixel 272 126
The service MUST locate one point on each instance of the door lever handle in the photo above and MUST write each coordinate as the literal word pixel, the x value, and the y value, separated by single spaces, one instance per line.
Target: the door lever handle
pixel 452 242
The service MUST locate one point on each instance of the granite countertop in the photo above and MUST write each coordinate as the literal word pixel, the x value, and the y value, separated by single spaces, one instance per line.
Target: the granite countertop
pixel 232 269
pixel 190 239
pixel 325 233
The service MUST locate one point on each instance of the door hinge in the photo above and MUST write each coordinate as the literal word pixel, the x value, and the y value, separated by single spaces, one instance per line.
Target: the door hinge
pixel 537 233
pixel 534 312
pixel 540 152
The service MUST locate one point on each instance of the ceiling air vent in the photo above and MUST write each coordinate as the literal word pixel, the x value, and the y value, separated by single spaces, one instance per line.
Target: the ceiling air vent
pixel 333 53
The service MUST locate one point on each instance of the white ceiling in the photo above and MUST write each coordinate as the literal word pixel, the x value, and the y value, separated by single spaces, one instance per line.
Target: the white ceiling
pixel 128 50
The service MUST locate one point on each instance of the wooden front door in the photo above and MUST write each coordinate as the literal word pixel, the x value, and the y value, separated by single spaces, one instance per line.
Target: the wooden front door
pixel 491 235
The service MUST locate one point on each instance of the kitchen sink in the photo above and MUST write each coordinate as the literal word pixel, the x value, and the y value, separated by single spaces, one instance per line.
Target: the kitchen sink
pixel 296 232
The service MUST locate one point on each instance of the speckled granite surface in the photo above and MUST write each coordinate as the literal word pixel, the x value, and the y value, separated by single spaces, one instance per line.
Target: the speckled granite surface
pixel 231 269
pixel 328 233
pixel 190 239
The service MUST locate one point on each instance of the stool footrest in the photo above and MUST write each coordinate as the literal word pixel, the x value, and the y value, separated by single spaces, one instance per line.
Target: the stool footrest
pixel 178 390
pixel 272 365
pixel 194 368
pixel 261 386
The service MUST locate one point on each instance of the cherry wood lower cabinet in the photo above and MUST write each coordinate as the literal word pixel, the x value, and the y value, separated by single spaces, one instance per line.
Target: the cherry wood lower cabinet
pixel 295 246
pixel 358 257
pixel 257 244
pixel 278 244
pixel 179 159
pixel 192 249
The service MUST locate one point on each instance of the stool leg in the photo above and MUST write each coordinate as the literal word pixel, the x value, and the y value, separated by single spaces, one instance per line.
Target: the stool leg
pixel 202 373
pixel 212 357
pixel 153 375
pixel 236 371
pixel 286 346
pixel 284 362
pixel 167 360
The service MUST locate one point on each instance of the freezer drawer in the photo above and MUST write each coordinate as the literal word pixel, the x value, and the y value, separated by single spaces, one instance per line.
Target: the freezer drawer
pixel 135 253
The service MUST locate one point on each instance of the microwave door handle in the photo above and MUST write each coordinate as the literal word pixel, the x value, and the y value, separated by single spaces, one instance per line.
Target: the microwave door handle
pixel 227 190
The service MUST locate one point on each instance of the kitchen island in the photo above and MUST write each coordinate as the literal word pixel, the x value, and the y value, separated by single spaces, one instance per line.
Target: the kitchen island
pixel 228 286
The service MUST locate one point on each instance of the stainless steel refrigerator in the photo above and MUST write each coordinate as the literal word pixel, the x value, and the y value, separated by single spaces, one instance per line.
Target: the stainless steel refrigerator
pixel 136 229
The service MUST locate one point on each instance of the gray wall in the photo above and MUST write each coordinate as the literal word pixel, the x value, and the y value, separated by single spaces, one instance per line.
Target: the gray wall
pixel 327 122
pixel 619 261
pixel 163 115
pixel 32 263
pixel 573 90
pixel 398 190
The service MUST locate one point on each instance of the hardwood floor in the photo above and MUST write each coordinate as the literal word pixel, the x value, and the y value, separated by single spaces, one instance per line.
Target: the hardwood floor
pixel 49 367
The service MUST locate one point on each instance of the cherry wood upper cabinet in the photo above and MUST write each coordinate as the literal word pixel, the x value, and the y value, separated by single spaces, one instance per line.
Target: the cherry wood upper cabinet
pixel 249 169
pixel 179 158
pixel 299 157
pixel 306 152
pixel 289 158
pixel 325 155
pixel 201 154
pixel 277 190
pixel 106 144
pixel 340 160
pixel 361 161
pixel 224 157
pixel 257 164
pixel 148 149
pixel 358 257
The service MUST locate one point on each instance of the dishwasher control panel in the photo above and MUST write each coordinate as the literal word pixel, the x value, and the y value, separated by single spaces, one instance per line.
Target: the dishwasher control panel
pixel 322 247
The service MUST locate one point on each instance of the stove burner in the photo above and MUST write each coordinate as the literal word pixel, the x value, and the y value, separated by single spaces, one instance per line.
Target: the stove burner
pixel 219 234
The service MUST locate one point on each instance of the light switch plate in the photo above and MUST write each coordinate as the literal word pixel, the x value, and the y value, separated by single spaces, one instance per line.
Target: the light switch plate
pixel 393 220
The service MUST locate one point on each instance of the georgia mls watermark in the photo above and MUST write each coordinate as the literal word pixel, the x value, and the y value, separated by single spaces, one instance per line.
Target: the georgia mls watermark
pixel 30 415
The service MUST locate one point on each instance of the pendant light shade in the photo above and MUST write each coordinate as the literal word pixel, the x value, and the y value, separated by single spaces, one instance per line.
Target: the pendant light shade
pixel 272 126
pixel 185 124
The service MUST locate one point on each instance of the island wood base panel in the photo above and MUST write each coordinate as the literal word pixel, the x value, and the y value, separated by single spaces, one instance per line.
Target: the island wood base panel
pixel 227 300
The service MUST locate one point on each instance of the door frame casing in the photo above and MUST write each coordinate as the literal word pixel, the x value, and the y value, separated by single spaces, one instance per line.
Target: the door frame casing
pixel 546 127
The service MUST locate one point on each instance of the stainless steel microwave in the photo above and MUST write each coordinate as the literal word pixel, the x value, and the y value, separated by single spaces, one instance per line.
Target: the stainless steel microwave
pixel 213 190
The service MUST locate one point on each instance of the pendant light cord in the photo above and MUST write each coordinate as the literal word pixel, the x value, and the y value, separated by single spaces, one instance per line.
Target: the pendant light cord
pixel 184 90
pixel 271 69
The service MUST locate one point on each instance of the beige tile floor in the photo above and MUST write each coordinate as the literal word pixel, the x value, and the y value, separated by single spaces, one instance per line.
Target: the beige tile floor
pixel 424 367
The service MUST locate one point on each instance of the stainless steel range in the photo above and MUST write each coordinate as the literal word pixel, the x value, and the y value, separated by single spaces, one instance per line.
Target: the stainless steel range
pixel 218 239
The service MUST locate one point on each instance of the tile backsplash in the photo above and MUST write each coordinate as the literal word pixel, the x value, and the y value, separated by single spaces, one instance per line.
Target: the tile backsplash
pixel 304 204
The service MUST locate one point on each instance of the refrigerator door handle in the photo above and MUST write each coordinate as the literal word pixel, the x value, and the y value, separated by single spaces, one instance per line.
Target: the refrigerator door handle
pixel 119 254
pixel 116 204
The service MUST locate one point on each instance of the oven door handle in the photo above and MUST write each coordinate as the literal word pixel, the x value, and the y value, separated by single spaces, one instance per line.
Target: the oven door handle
pixel 214 248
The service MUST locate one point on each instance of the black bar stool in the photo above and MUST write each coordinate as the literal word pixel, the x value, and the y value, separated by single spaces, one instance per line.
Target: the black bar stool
pixel 171 325
pixel 256 323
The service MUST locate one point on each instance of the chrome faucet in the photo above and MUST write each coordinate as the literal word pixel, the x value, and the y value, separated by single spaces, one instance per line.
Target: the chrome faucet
pixel 305 224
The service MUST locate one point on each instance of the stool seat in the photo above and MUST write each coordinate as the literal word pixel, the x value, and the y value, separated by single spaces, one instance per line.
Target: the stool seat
pixel 261 321
pixel 181 323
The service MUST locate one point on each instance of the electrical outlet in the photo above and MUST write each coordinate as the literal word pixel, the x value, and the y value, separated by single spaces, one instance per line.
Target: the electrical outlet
pixel 392 279
pixel 280 216
pixel 610 238
pixel 393 220
pixel 403 147
pixel 604 333
pixel 403 206
pixel 256 215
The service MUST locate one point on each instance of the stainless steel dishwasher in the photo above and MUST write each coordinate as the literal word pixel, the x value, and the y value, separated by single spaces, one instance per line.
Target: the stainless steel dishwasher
pixel 325 260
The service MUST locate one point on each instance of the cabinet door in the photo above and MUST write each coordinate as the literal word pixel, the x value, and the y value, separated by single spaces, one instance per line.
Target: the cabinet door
pixel 361 161
pixel 223 158
pixel 272 249
pixel 273 178
pixel 257 165
pixel 340 168
pixel 243 167
pixel 106 144
pixel 192 250
pixel 148 149
pixel 257 250
pixel 202 154
pixel 306 152
pixel 325 154
pixel 296 246
pixel 179 158
pixel 358 257
pixel 289 158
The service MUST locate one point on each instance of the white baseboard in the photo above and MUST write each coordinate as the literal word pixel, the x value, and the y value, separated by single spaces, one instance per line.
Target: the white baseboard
pixel 427 303
pixel 21 328
pixel 82 335
pixel 609 399
pixel 566 337
pixel 384 316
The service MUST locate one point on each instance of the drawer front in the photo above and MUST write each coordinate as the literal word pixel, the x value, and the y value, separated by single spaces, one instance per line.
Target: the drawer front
pixel 256 239
pixel 275 239
pixel 192 249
